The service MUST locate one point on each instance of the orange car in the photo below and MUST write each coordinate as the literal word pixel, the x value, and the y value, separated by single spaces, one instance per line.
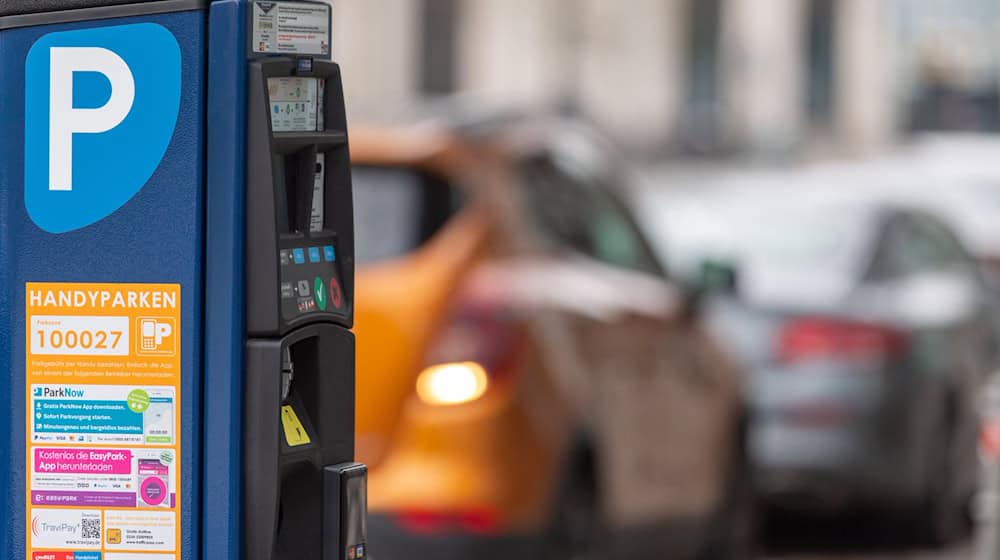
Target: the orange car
pixel 530 383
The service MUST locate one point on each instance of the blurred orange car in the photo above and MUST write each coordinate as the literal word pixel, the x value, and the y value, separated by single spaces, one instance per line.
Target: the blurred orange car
pixel 530 384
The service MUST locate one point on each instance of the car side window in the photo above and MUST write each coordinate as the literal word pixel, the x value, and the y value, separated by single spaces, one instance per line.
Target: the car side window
pixel 554 212
pixel 953 255
pixel 575 210
pixel 916 246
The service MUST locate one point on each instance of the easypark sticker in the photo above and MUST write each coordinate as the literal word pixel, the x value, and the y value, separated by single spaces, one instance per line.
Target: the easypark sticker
pixel 102 399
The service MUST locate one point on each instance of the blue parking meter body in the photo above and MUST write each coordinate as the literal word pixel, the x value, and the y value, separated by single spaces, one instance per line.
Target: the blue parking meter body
pixel 278 150
pixel 101 206
pixel 176 283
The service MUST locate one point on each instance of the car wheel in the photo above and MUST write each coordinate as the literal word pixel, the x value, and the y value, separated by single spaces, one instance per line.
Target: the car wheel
pixel 942 513
pixel 576 527
pixel 736 531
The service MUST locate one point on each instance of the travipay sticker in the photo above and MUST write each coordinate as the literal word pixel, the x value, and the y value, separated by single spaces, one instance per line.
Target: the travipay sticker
pixel 61 528
pixel 103 419
pixel 291 28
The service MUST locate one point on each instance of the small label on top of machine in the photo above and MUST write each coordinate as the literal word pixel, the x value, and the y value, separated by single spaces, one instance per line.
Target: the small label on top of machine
pixel 297 28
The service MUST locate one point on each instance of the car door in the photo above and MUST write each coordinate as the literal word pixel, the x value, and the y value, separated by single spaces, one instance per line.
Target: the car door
pixel 979 323
pixel 661 398
pixel 973 337
pixel 931 294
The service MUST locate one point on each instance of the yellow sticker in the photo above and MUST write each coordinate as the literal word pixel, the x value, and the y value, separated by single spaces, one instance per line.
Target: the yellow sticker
pixel 103 419
pixel 295 432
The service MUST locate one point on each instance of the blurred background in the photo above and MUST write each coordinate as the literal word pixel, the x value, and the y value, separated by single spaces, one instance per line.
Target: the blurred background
pixel 775 79
pixel 677 278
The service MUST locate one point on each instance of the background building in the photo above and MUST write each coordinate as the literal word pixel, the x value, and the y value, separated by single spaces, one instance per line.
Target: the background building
pixel 772 78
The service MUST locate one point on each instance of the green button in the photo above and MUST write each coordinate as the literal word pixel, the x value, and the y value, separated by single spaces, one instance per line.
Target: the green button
pixel 320 292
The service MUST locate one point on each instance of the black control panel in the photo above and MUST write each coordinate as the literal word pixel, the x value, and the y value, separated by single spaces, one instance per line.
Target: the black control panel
pixel 300 222
pixel 311 281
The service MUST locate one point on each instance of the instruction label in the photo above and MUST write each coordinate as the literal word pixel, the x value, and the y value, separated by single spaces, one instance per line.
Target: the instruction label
pixel 291 28
pixel 103 421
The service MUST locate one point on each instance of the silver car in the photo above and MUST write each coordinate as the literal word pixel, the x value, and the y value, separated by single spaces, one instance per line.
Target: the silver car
pixel 866 330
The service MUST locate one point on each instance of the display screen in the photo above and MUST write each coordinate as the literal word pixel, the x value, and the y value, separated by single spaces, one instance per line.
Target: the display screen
pixel 296 104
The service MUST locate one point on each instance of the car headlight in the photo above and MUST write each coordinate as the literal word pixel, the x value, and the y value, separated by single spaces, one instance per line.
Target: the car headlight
pixel 452 383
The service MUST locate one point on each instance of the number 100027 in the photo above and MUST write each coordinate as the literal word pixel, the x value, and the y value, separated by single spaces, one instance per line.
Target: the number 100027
pixel 79 336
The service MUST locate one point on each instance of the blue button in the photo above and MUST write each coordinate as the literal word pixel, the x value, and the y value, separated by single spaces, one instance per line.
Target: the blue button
pixel 329 254
pixel 314 254
pixel 86 556
pixel 299 255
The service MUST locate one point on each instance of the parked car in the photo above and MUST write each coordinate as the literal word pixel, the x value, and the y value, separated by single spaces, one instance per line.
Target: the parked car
pixel 953 176
pixel 530 382
pixel 866 328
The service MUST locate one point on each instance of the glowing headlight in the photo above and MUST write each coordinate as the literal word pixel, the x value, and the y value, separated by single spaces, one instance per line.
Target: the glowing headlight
pixel 451 384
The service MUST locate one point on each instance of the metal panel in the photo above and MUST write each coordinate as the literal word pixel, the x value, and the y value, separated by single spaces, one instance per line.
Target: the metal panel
pixel 224 272
pixel 156 237
pixel 29 13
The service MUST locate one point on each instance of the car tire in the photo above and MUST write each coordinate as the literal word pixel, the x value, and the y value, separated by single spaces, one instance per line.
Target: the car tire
pixel 735 532
pixel 576 529
pixel 942 515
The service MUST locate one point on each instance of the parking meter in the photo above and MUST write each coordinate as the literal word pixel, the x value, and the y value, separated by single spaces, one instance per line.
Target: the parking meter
pixel 301 486
pixel 176 283
pixel 279 189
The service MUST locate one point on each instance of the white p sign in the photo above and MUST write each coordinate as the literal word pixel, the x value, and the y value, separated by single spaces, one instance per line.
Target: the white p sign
pixel 66 120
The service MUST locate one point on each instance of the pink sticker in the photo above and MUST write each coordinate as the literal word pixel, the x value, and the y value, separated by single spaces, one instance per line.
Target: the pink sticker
pixel 83 461
pixel 153 491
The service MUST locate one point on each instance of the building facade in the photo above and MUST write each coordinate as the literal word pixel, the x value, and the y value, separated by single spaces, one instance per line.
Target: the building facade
pixel 766 78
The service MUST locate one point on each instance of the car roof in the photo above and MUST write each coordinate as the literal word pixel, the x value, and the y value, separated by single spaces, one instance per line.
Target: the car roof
pixel 515 132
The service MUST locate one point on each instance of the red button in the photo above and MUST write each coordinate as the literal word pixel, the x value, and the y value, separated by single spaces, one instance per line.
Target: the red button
pixel 336 295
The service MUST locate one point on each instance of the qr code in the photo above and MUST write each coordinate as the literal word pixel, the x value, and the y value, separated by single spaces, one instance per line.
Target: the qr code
pixel 91 529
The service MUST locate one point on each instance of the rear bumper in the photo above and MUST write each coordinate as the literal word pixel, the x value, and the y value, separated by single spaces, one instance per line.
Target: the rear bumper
pixel 388 541
pixel 827 490
pixel 830 437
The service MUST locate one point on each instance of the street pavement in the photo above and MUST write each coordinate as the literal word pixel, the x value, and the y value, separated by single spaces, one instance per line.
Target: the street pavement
pixel 860 539
pixel 958 553
pixel 964 551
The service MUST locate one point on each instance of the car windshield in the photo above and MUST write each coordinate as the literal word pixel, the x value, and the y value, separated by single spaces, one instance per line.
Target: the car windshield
pixel 397 210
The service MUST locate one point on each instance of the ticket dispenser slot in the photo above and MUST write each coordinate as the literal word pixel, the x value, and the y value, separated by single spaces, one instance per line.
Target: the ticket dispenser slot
pixel 300 479
pixel 295 433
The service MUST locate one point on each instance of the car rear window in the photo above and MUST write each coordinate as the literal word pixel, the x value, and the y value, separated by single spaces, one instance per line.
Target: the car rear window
pixel 774 236
pixel 398 209
pixel 801 237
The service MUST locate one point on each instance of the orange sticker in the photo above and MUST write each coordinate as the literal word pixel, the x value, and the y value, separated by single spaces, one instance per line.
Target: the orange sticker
pixel 103 405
